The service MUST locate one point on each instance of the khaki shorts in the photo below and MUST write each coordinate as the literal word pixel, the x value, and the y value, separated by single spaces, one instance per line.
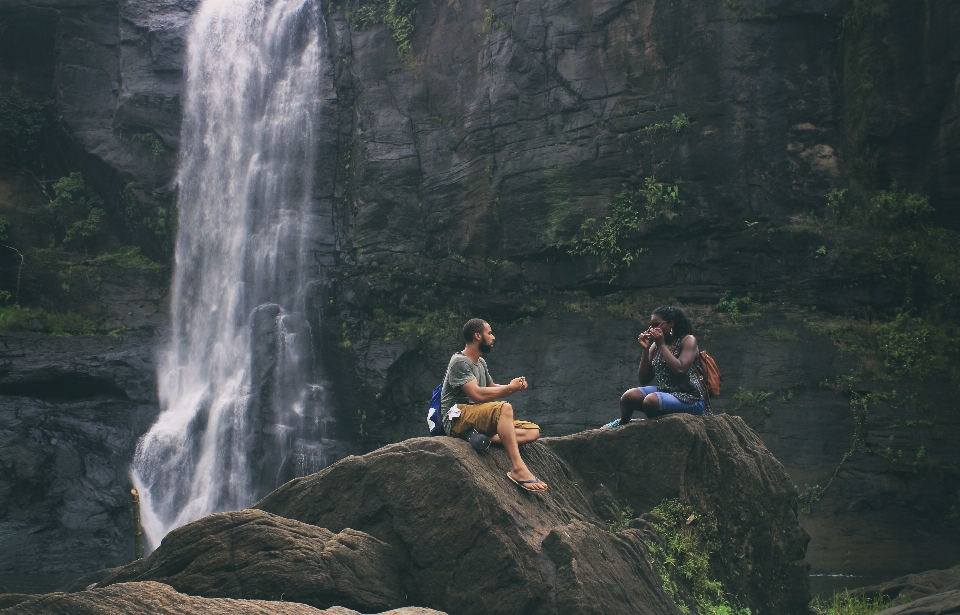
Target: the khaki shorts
pixel 483 418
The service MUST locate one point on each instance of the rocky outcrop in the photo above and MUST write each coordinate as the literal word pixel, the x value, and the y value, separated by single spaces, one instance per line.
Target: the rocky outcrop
pixel 915 586
pixel 699 461
pixel 251 554
pixel 946 603
pixel 158 599
pixel 463 534
pixel 71 411
pixel 431 522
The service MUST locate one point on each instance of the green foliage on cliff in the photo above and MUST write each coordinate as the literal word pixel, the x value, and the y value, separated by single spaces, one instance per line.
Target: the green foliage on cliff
pixel 893 209
pixel 622 521
pixel 432 325
pixel 843 603
pixel 905 347
pixel 885 241
pixel 751 400
pixel 677 124
pixel 396 15
pixel 75 216
pixel 738 307
pixel 127 258
pixel 152 141
pixel 683 559
pixel 16 318
pixel 22 122
pixel 615 238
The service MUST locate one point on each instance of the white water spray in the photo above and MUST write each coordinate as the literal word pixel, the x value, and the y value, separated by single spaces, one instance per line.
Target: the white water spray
pixel 235 380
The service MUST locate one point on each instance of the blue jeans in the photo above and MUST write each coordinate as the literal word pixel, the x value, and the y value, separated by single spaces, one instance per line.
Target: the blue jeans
pixel 671 405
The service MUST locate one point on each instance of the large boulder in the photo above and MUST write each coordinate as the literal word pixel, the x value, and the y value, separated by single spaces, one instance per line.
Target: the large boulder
pixel 255 555
pixel 720 467
pixel 469 541
pixel 151 598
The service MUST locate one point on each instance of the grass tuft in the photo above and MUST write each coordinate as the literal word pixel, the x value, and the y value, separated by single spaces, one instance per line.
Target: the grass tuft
pixel 843 603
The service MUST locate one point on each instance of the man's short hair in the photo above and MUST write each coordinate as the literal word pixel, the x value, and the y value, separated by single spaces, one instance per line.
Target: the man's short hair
pixel 474 325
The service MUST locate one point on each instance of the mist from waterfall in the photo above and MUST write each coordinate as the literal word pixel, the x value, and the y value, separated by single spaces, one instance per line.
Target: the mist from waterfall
pixel 241 407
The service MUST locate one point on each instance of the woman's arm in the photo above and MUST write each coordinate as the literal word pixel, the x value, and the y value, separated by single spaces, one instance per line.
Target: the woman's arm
pixel 645 371
pixel 688 353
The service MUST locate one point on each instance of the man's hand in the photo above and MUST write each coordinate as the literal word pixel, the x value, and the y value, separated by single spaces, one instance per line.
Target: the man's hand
pixel 518 384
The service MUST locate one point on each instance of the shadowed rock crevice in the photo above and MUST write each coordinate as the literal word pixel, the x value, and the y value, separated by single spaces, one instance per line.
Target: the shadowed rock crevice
pixel 64 388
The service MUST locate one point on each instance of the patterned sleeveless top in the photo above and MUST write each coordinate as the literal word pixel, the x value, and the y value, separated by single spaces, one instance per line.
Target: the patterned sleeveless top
pixel 686 387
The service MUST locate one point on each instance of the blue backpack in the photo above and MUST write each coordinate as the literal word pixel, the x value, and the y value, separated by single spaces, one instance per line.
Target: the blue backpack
pixel 434 422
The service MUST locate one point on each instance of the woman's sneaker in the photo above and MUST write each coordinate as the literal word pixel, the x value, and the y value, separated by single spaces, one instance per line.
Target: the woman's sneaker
pixel 611 424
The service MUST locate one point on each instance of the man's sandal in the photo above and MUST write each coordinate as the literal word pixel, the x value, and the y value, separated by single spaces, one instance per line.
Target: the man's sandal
pixel 523 483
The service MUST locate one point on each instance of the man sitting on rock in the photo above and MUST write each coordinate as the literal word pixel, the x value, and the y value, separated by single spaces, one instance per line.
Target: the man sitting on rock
pixel 467 403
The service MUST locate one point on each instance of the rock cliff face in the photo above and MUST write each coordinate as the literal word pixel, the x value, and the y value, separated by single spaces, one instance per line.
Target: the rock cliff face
pixel 71 410
pixel 115 70
pixel 467 168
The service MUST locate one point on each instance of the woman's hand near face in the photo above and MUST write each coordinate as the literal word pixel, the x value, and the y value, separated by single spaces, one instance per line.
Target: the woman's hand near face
pixel 645 340
pixel 657 334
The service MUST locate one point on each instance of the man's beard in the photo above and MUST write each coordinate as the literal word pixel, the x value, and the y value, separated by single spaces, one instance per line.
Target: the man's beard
pixel 485 348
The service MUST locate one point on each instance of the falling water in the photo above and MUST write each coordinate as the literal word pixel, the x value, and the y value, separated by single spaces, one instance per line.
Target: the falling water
pixel 242 409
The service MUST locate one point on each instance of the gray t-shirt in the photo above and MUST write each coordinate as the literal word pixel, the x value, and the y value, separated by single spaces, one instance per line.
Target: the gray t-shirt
pixel 460 371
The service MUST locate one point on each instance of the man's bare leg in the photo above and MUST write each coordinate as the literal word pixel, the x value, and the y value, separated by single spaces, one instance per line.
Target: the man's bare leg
pixel 507 434
pixel 524 436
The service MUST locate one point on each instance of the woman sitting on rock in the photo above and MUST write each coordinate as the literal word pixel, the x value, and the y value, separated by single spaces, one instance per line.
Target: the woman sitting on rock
pixel 669 350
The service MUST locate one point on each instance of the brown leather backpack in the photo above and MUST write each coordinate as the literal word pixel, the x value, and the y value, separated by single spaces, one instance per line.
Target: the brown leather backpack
pixel 709 373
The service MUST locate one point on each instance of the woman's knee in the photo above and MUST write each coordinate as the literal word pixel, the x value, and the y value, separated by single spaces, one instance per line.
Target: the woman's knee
pixel 633 396
pixel 652 401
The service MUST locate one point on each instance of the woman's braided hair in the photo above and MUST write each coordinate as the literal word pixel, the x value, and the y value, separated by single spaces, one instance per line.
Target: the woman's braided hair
pixel 681 324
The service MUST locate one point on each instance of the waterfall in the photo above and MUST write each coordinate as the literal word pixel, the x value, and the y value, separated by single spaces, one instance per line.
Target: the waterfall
pixel 242 408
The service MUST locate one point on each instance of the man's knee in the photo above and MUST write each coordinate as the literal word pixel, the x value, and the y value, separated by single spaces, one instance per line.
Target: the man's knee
pixel 506 410
pixel 532 435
